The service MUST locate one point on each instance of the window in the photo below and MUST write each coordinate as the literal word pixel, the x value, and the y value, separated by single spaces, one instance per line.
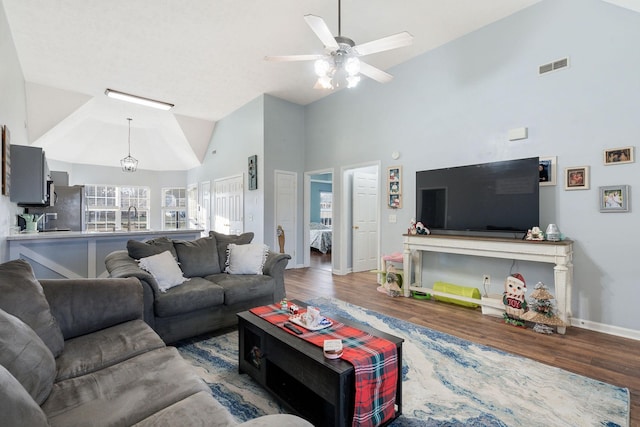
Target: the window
pixel 174 208
pixel 108 207
pixel 326 213
pixel 192 203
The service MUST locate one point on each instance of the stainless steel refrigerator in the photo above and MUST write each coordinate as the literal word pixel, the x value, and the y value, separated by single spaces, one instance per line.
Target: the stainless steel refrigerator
pixel 68 211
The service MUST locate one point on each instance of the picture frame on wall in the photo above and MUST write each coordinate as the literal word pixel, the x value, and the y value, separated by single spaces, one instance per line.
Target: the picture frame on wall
pixel 576 178
pixel 547 171
pixel 394 187
pixel 6 161
pixel 614 198
pixel 618 156
pixel 252 168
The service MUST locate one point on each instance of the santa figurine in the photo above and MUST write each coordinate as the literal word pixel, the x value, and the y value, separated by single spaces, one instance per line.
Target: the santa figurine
pixel 514 299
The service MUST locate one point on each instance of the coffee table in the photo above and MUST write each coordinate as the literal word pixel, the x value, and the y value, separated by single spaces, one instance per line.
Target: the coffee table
pixel 297 373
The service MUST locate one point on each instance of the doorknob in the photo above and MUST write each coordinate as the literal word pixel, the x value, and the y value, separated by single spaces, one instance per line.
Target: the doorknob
pixel 355 227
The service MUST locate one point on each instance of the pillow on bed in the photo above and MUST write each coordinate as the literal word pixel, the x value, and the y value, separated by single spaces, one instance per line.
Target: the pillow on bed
pixel 165 269
pixel 246 259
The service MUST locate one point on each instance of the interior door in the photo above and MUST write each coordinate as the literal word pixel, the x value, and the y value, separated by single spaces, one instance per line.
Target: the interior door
pixel 229 205
pixel 286 211
pixel 204 217
pixel 365 221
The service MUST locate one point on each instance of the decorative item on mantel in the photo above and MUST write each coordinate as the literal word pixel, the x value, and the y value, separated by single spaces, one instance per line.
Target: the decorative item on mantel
pixel 542 311
pixel 535 234
pixel 514 299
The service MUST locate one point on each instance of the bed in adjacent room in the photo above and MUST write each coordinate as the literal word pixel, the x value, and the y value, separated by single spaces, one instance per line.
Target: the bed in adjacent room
pixel 320 237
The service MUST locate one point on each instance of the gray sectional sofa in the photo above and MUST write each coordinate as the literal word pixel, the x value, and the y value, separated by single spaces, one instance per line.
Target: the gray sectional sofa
pixel 210 299
pixel 76 352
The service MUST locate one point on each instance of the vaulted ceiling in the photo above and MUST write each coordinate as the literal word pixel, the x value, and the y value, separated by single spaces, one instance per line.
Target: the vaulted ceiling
pixel 204 56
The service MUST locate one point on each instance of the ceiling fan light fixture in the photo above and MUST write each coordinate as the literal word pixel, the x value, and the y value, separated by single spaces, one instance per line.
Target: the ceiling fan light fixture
pixel 352 81
pixel 161 105
pixel 352 66
pixel 322 67
pixel 129 164
pixel 324 82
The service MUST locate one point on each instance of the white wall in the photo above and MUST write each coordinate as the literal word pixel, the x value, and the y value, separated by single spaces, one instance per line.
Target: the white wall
pixel 455 105
pixel 12 114
pixel 234 139
pixel 283 150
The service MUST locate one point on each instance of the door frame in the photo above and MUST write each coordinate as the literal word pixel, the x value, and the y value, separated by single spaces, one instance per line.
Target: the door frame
pixel 345 237
pixel 289 238
pixel 307 213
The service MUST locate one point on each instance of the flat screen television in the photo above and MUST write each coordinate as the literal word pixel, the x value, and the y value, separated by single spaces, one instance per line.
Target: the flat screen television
pixel 489 197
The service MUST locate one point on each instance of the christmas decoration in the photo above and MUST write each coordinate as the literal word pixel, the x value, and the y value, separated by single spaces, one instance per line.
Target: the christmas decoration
pixel 542 311
pixel 514 299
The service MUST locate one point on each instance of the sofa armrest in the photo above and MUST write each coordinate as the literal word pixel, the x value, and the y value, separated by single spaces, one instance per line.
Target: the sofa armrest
pixel 82 306
pixel 274 266
pixel 119 264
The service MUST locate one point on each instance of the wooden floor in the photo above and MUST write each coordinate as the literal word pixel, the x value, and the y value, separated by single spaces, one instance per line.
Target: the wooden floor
pixel 601 356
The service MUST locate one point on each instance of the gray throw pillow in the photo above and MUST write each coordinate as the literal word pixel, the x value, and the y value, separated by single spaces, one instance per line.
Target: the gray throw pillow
pixel 223 241
pixel 198 258
pixel 22 296
pixel 26 357
pixel 151 247
pixel 18 409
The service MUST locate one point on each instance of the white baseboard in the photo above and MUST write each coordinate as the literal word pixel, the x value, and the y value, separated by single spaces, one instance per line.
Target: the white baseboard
pixel 606 329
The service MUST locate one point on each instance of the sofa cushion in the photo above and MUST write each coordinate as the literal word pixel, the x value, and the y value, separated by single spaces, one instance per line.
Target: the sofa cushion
pixel 21 295
pixel 198 258
pixel 151 247
pixel 199 409
pixel 125 393
pixel 26 357
pixel 246 259
pixel 223 240
pixel 164 268
pixel 89 353
pixel 238 289
pixel 195 294
pixel 17 407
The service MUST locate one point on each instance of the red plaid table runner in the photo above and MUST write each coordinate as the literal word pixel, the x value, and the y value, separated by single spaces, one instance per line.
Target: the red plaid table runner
pixel 375 361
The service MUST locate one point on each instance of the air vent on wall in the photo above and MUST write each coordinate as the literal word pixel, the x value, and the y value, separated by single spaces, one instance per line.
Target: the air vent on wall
pixel 553 66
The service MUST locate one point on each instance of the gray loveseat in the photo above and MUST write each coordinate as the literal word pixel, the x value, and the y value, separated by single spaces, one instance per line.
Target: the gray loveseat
pixel 75 352
pixel 210 299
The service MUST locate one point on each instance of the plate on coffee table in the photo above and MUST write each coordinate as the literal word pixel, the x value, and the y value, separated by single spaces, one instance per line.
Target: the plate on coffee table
pixel 324 323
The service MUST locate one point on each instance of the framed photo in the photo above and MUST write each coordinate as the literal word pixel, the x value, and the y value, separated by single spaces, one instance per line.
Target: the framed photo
pixel 253 172
pixel 614 198
pixel 617 156
pixel 547 170
pixel 394 187
pixel 6 161
pixel 576 178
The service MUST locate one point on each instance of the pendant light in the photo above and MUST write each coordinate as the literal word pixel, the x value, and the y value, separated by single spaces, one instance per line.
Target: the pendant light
pixel 129 164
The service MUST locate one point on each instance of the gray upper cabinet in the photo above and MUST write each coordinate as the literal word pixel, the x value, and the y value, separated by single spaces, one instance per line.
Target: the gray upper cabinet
pixel 29 176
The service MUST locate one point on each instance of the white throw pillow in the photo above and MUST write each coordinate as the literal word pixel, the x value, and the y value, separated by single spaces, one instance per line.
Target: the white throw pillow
pixel 164 268
pixel 246 259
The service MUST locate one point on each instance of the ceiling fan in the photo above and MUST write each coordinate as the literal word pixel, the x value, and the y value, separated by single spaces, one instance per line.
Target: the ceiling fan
pixel 341 62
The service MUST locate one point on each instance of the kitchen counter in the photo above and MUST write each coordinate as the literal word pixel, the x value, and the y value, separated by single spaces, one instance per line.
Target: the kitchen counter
pixel 79 254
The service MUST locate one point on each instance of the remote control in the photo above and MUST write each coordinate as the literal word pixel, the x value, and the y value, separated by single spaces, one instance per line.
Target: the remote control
pixel 292 328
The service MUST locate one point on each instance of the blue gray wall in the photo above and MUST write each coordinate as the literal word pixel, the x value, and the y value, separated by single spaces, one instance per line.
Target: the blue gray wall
pixel 455 105
pixel 316 189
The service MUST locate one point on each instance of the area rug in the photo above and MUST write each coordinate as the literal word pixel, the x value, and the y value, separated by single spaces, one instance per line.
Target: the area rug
pixel 447 381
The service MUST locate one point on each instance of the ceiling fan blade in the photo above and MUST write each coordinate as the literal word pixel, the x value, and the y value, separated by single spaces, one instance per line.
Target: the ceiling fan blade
pixel 375 73
pixel 288 58
pixel 386 43
pixel 319 27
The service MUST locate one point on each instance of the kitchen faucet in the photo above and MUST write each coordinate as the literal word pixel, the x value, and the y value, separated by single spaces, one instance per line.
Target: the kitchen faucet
pixel 135 213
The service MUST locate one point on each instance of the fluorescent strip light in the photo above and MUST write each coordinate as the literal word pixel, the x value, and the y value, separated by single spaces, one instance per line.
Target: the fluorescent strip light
pixel 138 99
